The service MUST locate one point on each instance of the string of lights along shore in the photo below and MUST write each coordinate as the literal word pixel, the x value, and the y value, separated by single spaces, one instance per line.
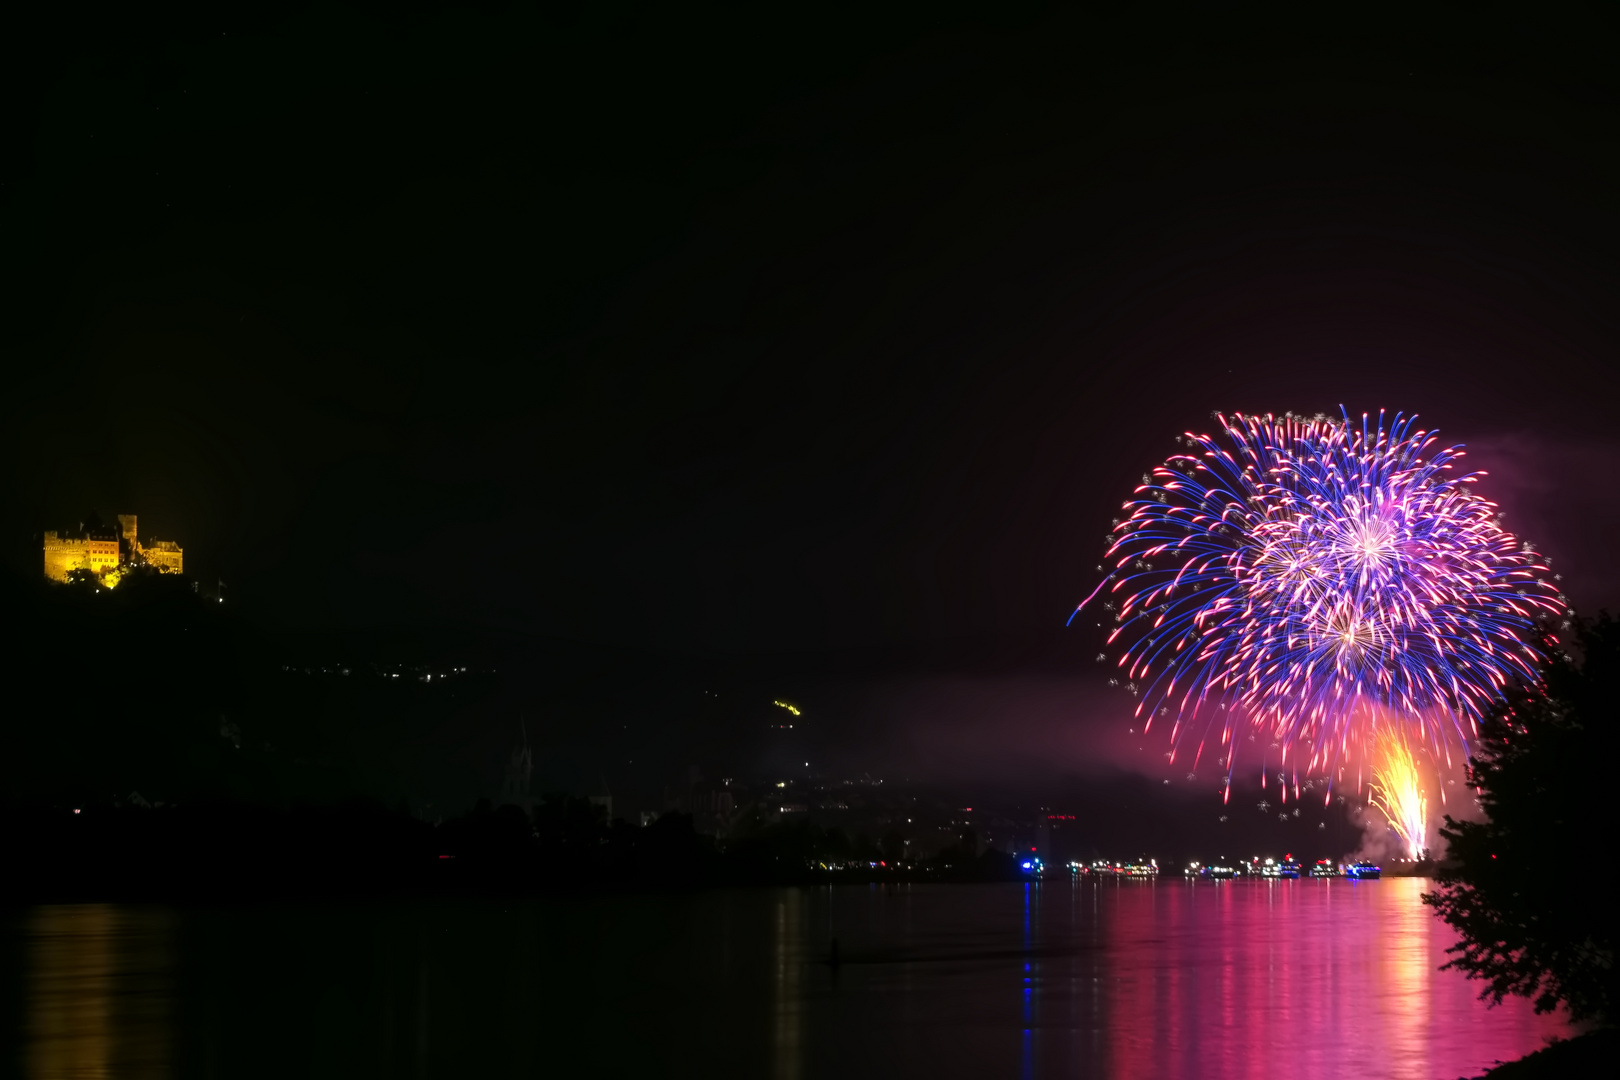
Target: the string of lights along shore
pixel 1333 589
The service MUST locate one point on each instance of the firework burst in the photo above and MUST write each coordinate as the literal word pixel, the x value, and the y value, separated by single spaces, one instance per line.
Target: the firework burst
pixel 1300 573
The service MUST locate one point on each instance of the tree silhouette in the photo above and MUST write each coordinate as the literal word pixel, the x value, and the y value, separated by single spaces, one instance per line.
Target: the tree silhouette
pixel 1530 889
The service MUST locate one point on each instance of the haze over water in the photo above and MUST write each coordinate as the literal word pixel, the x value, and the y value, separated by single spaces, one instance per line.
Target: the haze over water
pixel 1167 979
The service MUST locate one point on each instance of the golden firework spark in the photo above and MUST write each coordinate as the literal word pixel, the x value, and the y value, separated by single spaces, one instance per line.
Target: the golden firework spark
pixel 1397 788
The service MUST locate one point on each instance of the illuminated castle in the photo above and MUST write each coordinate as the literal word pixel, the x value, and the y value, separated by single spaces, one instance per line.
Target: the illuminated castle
pixel 107 551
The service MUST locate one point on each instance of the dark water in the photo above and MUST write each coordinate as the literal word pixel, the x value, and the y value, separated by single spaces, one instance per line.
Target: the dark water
pixel 1318 979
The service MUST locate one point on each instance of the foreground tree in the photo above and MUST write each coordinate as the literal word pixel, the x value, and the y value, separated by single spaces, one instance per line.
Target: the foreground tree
pixel 1531 888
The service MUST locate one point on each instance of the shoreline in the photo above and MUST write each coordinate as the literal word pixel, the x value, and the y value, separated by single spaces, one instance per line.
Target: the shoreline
pixel 1591 1054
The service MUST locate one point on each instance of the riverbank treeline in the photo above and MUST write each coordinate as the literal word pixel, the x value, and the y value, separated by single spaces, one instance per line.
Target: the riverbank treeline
pixel 237 851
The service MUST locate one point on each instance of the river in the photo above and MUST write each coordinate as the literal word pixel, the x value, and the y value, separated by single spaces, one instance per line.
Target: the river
pixel 1076 979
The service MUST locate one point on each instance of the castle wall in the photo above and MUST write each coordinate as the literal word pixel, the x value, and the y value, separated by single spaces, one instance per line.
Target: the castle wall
pixel 62 556
pixel 166 555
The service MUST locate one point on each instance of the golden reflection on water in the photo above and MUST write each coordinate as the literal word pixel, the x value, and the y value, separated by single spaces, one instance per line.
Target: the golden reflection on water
pixel 99 994
pixel 788 1000
pixel 1409 971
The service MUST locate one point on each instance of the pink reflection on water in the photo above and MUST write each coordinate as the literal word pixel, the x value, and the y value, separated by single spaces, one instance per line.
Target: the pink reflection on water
pixel 1332 978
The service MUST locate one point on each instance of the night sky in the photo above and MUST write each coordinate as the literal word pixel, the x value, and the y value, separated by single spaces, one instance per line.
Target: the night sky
pixel 804 350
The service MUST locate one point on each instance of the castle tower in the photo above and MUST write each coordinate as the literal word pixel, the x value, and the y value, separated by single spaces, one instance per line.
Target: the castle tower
pixel 126 526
